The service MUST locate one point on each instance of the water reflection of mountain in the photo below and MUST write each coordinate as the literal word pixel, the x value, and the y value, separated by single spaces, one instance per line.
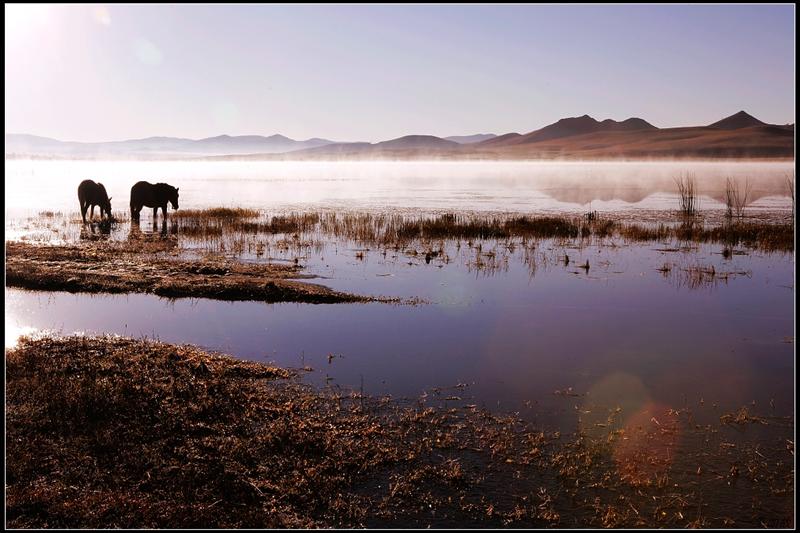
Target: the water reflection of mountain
pixel 585 190
pixel 587 195
pixel 628 195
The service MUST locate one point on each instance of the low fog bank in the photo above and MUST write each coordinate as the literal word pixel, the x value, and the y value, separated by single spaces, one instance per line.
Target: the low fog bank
pixel 52 184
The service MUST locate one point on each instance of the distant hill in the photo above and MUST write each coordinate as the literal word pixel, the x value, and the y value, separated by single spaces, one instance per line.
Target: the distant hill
pixel 737 121
pixel 158 146
pixel 416 142
pixel 500 140
pixel 410 146
pixel 738 136
pixel 567 127
pixel 469 139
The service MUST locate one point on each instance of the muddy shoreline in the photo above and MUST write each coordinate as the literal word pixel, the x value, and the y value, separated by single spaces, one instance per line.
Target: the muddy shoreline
pixel 102 267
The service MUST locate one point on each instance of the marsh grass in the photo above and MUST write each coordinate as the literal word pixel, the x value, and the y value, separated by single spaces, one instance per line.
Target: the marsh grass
pixel 209 225
pixel 216 213
pixel 452 226
pixel 246 231
pixel 397 231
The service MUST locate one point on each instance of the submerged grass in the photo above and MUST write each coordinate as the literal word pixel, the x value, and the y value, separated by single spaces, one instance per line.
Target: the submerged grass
pixel 114 432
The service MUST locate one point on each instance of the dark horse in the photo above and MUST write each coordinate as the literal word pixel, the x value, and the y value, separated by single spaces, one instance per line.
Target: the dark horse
pixel 145 194
pixel 92 194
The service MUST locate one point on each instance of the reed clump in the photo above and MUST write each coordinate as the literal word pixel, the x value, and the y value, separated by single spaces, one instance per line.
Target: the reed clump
pixel 736 197
pixel 453 226
pixel 214 222
pixel 226 213
pixel 292 223
pixel 688 195
pixel 760 235
pixel 639 233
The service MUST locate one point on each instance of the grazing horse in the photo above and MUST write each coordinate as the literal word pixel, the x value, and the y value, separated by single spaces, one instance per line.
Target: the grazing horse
pixel 145 194
pixel 92 194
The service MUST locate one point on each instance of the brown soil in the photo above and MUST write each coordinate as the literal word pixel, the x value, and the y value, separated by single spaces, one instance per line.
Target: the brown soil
pixel 121 267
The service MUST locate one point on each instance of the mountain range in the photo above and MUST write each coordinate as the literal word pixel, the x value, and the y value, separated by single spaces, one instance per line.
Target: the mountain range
pixel 737 136
pixel 159 146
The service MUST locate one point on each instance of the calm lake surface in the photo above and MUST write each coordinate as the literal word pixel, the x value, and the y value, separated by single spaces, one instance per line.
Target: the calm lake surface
pixel 504 324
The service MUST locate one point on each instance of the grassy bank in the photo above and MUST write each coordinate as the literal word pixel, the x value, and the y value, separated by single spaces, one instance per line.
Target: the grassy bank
pixel 114 432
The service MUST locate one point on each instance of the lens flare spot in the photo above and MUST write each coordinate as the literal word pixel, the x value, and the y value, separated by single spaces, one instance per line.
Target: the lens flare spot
pixel 14 332
pixel 643 450
pixel 101 15
pixel 609 402
pixel 147 52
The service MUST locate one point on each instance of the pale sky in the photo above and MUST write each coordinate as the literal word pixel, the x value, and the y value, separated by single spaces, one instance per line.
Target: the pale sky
pixel 371 73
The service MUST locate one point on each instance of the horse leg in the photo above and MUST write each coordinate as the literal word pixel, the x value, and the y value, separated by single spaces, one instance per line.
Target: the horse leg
pixel 91 216
pixel 84 207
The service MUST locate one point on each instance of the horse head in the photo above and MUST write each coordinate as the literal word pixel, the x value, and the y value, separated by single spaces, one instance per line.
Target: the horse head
pixel 174 198
pixel 107 207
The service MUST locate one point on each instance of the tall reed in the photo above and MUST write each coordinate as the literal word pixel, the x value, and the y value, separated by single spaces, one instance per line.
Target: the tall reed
pixel 736 197
pixel 687 190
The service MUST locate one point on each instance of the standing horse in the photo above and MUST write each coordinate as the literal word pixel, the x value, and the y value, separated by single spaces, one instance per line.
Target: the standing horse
pixel 145 194
pixel 92 194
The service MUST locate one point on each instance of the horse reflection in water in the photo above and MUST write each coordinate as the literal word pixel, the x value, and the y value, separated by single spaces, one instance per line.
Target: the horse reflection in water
pixel 162 236
pixel 164 229
pixel 96 231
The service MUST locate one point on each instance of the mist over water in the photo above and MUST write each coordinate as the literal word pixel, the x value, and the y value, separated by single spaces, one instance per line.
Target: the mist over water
pixel 32 186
